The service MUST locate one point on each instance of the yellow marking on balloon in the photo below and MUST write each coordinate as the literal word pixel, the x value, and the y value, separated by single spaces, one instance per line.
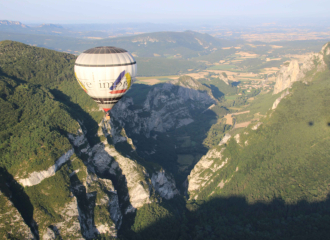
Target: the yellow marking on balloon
pixel 128 79
pixel 83 87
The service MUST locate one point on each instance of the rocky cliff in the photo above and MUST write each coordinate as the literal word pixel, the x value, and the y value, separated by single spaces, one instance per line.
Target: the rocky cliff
pixel 91 204
pixel 292 71
pixel 10 218
pixel 204 171
pixel 167 106
pixel 219 166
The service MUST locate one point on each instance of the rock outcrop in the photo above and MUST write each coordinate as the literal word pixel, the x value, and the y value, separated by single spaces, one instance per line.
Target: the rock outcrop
pixel 256 126
pixel 69 227
pixel 292 71
pixel 225 139
pixel 166 107
pixel 164 184
pixel 12 224
pixel 204 170
pixel 36 177
pixel 135 176
pixel 105 160
pixel 277 101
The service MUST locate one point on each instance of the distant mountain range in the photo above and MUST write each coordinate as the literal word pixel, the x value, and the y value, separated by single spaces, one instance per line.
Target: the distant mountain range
pixel 90 30
pixel 46 29
pixel 165 44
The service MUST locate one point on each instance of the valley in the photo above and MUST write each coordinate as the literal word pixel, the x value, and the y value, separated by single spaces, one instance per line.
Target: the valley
pixel 215 140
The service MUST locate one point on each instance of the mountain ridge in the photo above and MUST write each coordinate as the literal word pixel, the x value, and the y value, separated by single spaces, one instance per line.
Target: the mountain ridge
pixel 269 180
pixel 69 172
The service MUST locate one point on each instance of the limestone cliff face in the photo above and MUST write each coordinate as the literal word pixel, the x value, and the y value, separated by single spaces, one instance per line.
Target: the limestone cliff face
pixel 204 170
pixel 106 216
pixel 138 180
pixel 286 76
pixel 224 78
pixel 93 207
pixel 164 184
pixel 69 227
pixel 134 175
pixel 11 219
pixel 277 101
pixel 104 160
pixel 293 71
pixel 166 107
pixel 35 178
pixel 210 168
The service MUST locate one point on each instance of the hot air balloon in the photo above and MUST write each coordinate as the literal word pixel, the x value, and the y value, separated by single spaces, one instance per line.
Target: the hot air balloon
pixel 105 74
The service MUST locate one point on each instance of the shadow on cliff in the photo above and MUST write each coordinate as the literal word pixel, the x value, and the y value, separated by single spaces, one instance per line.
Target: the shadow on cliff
pixel 127 150
pixel 176 150
pixel 120 184
pixel 86 205
pixel 21 201
pixel 79 114
pixel 234 218
pixel 215 91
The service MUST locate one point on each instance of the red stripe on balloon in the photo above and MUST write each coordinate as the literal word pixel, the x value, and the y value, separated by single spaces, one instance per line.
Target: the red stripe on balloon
pixel 118 91
pixel 106 109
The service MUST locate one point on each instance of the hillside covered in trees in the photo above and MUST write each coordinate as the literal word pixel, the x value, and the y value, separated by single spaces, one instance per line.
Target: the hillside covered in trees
pixel 273 182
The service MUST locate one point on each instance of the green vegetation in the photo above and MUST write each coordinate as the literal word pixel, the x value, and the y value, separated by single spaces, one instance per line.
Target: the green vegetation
pixel 215 134
pixel 163 66
pixel 255 64
pixel 40 101
pixel 223 67
pixel 162 220
pixel 40 104
pixel 231 97
pixel 262 103
pixel 185 161
pixel 144 45
pixel 275 186
pixel 217 55
pixel 219 88
pixel 300 122
pixel 32 128
pixel 47 198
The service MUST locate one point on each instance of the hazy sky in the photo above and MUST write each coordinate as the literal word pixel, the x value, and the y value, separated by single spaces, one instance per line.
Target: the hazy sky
pixel 161 11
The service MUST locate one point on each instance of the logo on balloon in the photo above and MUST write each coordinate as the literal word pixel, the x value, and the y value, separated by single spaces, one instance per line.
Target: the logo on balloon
pixel 81 85
pixel 117 83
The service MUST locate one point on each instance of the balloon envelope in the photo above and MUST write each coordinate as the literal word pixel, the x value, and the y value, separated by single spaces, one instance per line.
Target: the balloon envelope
pixel 105 74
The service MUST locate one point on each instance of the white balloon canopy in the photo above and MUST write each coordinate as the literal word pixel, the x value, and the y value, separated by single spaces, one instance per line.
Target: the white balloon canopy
pixel 105 74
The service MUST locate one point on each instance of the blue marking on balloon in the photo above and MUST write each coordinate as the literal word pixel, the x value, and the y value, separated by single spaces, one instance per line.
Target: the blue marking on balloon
pixel 119 78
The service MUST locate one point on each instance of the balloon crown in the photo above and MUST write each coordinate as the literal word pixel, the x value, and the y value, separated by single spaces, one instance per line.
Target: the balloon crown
pixel 105 50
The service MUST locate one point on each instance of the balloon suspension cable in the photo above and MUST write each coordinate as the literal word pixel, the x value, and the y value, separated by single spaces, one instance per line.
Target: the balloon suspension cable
pixel 107 115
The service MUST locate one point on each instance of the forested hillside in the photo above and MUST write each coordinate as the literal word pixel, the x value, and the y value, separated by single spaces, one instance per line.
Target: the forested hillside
pixel 40 105
pixel 39 102
pixel 274 176
pixel 184 173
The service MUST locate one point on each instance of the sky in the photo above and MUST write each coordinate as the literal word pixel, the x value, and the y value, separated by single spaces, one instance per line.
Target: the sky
pixel 164 11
